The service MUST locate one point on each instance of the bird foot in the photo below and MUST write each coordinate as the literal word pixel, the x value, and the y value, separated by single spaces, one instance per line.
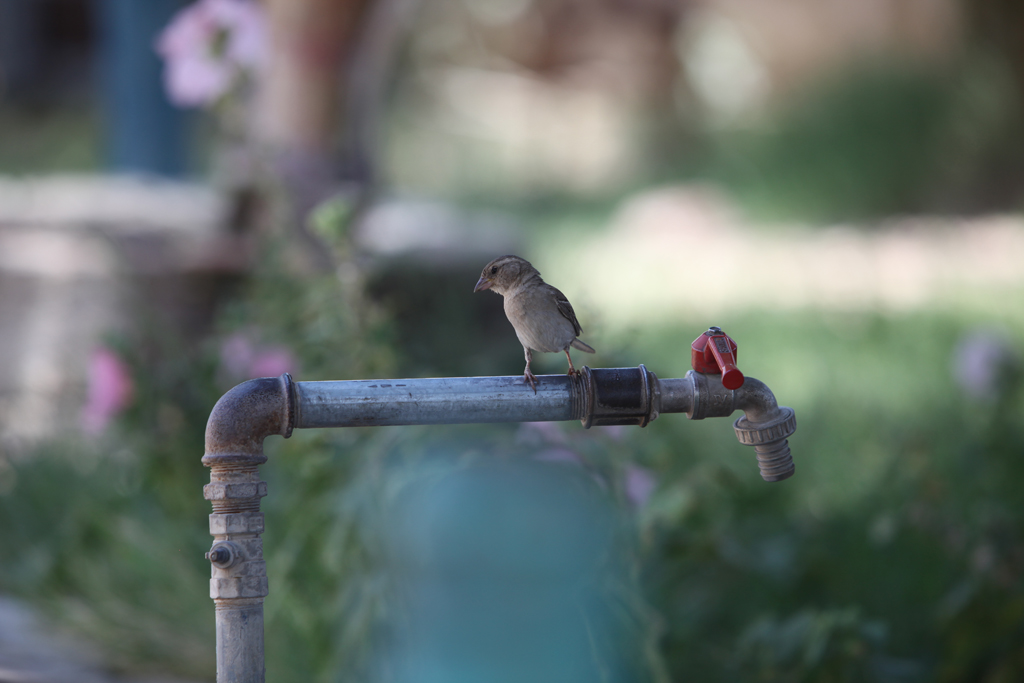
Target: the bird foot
pixel 531 379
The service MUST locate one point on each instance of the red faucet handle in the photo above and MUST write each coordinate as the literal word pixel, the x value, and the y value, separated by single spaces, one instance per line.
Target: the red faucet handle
pixel 714 352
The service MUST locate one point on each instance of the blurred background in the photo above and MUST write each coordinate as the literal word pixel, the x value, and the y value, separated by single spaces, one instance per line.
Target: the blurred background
pixel 193 194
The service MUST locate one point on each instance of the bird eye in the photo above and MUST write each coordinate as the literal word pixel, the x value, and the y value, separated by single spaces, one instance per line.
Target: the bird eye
pixel 494 270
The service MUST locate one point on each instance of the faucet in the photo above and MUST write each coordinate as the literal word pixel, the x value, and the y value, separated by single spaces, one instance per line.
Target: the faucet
pixel 717 388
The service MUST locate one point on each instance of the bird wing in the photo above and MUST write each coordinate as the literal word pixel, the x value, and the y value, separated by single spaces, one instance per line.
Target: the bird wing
pixel 565 308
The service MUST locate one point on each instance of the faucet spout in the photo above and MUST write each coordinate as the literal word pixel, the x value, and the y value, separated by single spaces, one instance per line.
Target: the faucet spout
pixel 765 424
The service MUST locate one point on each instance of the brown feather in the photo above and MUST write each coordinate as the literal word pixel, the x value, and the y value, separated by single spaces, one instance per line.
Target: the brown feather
pixel 565 308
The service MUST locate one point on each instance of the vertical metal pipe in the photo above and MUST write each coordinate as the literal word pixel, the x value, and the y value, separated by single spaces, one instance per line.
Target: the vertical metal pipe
pixel 239 581
pixel 240 640
pixel 240 421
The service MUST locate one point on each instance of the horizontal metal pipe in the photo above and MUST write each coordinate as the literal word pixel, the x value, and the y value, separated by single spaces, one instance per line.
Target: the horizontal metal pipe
pixel 602 396
pixel 440 400
pixel 676 395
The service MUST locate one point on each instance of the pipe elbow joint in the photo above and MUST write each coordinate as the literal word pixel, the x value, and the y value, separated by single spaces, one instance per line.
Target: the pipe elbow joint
pixel 247 414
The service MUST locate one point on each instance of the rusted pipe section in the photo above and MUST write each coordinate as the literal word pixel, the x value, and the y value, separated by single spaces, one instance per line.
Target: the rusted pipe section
pixel 245 416
pixel 240 421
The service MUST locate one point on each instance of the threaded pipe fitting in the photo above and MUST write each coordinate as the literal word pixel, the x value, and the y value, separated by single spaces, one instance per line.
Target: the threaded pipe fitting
pixel 770 442
pixel 775 460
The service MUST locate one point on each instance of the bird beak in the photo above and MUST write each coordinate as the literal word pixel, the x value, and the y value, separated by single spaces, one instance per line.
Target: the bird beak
pixel 482 284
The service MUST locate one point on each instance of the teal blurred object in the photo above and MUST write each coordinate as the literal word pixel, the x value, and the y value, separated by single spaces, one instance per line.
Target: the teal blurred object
pixel 502 574
pixel 144 132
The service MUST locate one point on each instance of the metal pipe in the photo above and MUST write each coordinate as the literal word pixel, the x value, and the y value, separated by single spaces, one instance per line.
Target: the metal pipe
pixel 442 400
pixel 240 421
pixel 259 408
pixel 603 396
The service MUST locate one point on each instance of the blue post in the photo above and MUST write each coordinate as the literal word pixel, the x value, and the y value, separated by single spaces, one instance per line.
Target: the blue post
pixel 144 131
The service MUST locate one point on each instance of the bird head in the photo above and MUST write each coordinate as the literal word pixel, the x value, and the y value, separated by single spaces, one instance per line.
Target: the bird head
pixel 504 273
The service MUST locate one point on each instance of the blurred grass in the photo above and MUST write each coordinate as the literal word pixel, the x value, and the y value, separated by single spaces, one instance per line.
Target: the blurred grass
pixel 86 539
pixel 873 139
pixel 900 481
pixel 876 139
pixel 45 139
pixel 859 145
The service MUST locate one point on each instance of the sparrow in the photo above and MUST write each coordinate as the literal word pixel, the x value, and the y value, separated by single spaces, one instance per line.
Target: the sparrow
pixel 541 315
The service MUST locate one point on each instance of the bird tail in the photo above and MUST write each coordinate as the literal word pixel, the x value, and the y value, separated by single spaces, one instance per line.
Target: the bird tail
pixel 577 344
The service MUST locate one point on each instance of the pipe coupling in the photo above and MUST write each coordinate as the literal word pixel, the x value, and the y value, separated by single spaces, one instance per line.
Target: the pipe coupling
pixel 618 396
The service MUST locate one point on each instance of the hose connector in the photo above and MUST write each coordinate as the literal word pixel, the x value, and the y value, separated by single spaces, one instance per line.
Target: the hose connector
pixel 770 442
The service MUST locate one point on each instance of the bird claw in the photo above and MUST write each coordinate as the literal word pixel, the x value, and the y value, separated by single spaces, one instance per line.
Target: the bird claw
pixel 531 379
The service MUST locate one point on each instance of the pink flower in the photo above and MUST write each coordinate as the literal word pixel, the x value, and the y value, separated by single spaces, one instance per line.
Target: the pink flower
pixel 272 361
pixel 247 42
pixel 208 46
pixel 236 354
pixel 981 362
pixel 243 359
pixel 110 390
pixel 640 484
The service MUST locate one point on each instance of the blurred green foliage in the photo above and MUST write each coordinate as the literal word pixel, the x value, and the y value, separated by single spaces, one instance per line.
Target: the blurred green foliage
pixel 861 145
pixel 877 139
pixel 42 139
pixel 832 645
pixel 877 561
